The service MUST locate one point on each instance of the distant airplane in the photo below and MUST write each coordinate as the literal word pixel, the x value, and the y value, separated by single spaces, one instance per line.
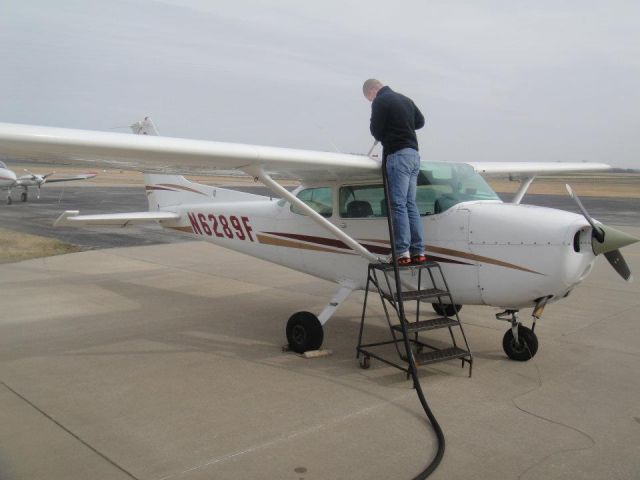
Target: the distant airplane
pixel 9 180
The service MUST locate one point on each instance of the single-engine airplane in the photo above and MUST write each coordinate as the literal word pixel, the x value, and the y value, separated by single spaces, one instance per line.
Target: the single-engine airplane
pixel 506 255
pixel 9 180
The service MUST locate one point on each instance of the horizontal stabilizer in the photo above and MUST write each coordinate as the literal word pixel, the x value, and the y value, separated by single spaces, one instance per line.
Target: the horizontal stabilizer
pixel 68 178
pixel 73 218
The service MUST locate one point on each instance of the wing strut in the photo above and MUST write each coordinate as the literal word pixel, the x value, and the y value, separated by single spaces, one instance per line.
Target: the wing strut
pixel 258 173
pixel 525 183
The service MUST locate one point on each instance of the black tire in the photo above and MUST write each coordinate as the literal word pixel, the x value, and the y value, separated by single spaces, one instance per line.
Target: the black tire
pixel 9 201
pixel 304 332
pixel 446 310
pixel 527 347
pixel 23 196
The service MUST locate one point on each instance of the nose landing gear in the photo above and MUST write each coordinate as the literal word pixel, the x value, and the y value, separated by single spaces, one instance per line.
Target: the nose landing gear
pixel 519 342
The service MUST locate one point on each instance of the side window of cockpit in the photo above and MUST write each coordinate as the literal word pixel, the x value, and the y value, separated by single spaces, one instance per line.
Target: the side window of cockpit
pixel 362 201
pixel 366 201
pixel 320 199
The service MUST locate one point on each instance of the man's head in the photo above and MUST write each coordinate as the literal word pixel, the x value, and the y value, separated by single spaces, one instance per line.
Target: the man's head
pixel 370 88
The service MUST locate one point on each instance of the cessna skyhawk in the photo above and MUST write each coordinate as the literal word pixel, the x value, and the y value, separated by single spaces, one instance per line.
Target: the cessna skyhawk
pixel 333 225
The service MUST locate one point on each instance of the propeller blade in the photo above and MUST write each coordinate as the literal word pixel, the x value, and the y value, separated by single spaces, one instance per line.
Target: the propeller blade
pixel 607 240
pixel 597 232
pixel 616 260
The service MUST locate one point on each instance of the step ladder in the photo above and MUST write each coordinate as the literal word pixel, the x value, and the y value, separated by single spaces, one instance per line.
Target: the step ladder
pixel 431 289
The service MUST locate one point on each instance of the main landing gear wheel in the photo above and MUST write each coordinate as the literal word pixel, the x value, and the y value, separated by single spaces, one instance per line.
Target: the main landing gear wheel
pixel 23 196
pixel 526 347
pixel 304 332
pixel 9 201
pixel 445 309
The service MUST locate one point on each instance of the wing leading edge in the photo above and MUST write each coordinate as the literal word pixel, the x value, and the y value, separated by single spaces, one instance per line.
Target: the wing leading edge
pixel 521 170
pixel 174 155
pixel 180 155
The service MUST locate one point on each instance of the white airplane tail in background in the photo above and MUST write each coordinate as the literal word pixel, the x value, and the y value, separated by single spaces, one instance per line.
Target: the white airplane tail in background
pixel 144 127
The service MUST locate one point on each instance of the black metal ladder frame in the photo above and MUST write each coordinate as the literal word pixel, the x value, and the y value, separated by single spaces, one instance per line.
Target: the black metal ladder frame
pixel 393 300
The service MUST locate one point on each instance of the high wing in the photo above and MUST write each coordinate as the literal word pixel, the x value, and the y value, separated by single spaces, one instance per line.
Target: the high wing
pixel 69 178
pixel 174 155
pixel 522 170
pixel 179 155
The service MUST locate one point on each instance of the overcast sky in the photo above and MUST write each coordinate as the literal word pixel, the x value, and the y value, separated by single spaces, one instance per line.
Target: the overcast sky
pixel 543 80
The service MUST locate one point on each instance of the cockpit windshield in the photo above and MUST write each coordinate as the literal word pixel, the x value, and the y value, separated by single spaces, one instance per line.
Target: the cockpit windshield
pixel 440 187
pixel 2 164
pixel 443 185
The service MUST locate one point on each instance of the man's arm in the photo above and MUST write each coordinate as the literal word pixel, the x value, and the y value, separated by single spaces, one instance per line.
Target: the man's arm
pixel 419 118
pixel 378 120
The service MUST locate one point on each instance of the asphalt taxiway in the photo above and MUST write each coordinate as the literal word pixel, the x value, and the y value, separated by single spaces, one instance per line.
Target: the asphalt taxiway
pixel 163 362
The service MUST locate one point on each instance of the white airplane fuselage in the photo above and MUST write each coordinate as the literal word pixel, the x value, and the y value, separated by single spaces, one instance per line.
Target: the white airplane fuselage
pixel 7 178
pixel 492 253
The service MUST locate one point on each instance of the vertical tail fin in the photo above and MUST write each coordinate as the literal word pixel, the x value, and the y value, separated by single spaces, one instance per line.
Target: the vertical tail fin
pixel 171 190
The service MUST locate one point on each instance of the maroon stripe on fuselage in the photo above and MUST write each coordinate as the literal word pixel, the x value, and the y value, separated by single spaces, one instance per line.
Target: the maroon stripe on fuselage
pixel 372 248
pixel 159 188
pixel 331 242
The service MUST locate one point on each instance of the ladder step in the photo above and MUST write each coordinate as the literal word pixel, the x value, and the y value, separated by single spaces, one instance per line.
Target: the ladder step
pixel 431 324
pixel 385 267
pixel 434 356
pixel 420 294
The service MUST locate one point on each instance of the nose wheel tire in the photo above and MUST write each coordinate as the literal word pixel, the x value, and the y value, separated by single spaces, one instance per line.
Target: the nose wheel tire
pixel 526 347
pixel 304 332
pixel 446 310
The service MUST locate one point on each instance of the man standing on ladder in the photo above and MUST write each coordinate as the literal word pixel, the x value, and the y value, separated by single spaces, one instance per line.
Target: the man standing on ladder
pixel 394 121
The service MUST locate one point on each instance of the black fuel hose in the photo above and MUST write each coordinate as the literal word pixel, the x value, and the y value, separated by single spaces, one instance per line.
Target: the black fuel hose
pixel 413 371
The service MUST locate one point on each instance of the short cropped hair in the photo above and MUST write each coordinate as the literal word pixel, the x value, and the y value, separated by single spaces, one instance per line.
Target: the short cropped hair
pixel 371 84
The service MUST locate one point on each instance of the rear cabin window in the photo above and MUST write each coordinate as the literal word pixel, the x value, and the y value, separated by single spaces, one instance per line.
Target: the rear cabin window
pixel 362 201
pixel 320 199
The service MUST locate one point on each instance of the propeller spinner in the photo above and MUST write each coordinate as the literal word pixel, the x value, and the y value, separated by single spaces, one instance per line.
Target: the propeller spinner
pixel 607 240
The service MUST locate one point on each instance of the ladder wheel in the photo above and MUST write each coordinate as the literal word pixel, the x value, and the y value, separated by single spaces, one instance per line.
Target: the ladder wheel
pixel 365 362
pixel 526 347
pixel 304 332
pixel 446 310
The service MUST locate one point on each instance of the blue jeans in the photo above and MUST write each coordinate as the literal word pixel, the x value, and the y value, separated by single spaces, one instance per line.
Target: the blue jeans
pixel 402 171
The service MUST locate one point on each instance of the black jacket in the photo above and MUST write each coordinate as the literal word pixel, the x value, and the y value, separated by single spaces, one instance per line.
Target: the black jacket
pixel 394 121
